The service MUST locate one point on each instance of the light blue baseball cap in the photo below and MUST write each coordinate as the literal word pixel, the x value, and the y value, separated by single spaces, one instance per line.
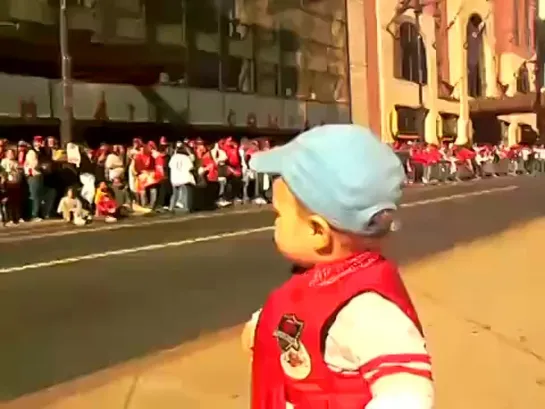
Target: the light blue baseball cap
pixel 344 173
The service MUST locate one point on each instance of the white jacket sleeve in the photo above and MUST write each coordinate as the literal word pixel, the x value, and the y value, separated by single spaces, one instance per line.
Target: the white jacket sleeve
pixel 373 336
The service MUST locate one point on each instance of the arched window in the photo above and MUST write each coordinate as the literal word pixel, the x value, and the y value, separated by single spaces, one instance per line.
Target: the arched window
pixel 475 57
pixel 407 64
pixel 523 80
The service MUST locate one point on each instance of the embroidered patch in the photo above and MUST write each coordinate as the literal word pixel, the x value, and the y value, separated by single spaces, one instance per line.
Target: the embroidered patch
pixel 294 357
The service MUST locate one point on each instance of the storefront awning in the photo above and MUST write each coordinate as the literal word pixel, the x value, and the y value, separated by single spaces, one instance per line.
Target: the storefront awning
pixel 517 104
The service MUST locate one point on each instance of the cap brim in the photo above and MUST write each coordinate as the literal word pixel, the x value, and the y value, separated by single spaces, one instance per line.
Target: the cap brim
pixel 271 161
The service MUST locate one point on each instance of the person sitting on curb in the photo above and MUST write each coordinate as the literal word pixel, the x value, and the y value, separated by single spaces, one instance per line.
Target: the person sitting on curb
pixel 71 209
pixel 106 205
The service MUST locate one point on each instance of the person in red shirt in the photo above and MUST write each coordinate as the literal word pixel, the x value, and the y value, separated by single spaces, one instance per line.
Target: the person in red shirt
pixel 160 162
pixel 22 149
pixel 341 332
pixel 234 168
pixel 418 161
pixel 463 160
pixel 431 157
pixel 105 204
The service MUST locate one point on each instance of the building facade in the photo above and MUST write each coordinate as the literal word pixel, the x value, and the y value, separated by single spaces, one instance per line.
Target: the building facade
pixel 258 64
pixel 468 51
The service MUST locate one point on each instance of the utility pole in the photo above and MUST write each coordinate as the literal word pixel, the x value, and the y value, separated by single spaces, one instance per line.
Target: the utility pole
pixel 420 127
pixel 539 21
pixel 66 75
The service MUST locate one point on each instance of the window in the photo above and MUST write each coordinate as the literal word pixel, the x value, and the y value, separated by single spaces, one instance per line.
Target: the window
pixel 73 3
pixel 202 16
pixel 474 83
pixel 266 45
pixel 449 126
pixel 289 41
pixel 203 69
pixel 166 11
pixel 527 135
pixel 504 132
pixel 173 75
pixel 267 78
pixel 237 30
pixel 338 32
pixel 523 80
pixel 323 8
pixel 475 56
pixel 314 56
pixel 86 3
pixel 407 120
pixel 341 93
pixel 305 79
pixel 410 59
pixel 323 86
pixel 130 7
pixel 290 82
pixel 237 74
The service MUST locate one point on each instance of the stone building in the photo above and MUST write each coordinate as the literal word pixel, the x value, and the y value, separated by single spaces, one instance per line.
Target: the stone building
pixel 471 80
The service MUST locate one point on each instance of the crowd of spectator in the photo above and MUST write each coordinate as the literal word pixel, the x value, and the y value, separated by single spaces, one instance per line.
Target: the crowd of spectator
pixel 428 163
pixel 41 180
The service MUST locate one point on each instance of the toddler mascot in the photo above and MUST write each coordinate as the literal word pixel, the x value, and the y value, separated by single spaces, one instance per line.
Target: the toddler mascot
pixel 342 332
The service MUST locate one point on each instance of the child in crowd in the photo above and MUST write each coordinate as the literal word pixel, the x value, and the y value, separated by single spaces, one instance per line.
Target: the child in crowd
pixel 71 209
pixel 106 205
pixel 342 332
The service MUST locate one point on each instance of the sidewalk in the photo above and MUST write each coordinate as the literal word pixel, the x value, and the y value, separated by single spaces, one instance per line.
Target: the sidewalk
pixel 482 307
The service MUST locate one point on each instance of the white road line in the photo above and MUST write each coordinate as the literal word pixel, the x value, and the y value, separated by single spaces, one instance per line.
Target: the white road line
pixel 5 236
pixel 151 247
pixel 160 246
pixel 459 196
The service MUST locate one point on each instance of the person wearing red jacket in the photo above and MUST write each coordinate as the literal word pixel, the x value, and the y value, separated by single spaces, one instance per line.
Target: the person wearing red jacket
pixel 417 161
pixel 234 168
pixel 22 149
pixel 209 167
pixel 341 332
pixel 144 167
pixel 431 157
pixel 160 162
pixel 464 165
pixel 234 162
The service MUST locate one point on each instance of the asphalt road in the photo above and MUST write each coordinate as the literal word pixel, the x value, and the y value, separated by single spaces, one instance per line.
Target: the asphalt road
pixel 128 290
